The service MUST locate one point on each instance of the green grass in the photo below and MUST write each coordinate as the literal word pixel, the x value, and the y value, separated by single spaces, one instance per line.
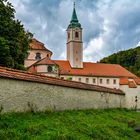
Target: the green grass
pixel 109 124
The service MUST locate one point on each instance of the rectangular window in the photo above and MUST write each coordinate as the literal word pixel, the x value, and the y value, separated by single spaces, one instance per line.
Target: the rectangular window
pixel 38 56
pixel 87 80
pixel 107 81
pixel 68 35
pixel 101 81
pixel 114 81
pixel 79 79
pixel 94 81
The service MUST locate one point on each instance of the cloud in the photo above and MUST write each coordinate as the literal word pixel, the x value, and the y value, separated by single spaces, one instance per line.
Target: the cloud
pixel 108 25
pixel 93 49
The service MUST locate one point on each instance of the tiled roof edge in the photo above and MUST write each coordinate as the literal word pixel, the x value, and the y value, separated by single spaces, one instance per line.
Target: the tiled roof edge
pixel 26 76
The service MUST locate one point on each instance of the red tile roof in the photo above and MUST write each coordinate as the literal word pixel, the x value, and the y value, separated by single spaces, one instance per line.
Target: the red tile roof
pixel 45 61
pixel 36 45
pixel 92 69
pixel 132 84
pixel 124 81
pixel 137 80
pixel 22 75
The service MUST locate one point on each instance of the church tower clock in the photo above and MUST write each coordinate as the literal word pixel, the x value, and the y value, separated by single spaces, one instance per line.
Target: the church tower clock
pixel 74 42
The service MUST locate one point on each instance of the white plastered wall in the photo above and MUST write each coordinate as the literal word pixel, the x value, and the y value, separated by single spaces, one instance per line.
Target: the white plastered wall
pixel 130 96
pixel 97 80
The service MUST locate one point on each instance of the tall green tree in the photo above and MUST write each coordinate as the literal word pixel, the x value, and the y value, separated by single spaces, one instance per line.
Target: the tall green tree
pixel 14 40
pixel 130 59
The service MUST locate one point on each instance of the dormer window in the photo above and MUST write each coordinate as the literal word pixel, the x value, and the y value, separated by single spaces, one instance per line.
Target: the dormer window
pixel 76 35
pixel 38 56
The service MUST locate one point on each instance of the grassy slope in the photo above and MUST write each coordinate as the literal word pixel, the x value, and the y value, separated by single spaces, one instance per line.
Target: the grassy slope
pixel 70 125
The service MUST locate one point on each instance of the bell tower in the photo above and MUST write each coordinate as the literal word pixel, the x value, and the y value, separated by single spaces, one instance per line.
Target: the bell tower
pixel 74 42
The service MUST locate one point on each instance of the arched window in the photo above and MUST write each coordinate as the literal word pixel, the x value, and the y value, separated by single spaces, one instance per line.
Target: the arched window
pixel 101 81
pixel 47 55
pixel 50 69
pixel 114 81
pixel 76 34
pixel 79 79
pixel 87 80
pixel 94 80
pixel 38 56
pixel 107 81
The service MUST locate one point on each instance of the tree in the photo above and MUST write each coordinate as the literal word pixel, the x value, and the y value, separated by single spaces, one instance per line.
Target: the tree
pixel 14 40
pixel 130 59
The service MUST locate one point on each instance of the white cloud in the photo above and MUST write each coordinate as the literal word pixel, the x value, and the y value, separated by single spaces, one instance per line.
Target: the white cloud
pixel 94 47
pixel 138 44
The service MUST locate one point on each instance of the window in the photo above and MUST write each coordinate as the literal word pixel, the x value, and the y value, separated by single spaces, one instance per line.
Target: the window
pixel 114 81
pixel 38 56
pixel 94 80
pixel 69 78
pixel 76 34
pixel 107 81
pixel 50 69
pixel 79 79
pixel 48 55
pixel 68 35
pixel 101 81
pixel 87 80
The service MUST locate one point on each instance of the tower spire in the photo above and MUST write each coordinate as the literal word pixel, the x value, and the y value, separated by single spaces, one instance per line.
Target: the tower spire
pixel 74 20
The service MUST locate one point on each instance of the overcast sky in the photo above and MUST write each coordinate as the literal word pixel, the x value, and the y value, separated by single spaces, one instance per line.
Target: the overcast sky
pixel 108 25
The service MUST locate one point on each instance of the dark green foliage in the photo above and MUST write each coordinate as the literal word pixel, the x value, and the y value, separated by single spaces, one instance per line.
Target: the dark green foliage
pixel 130 59
pixel 110 124
pixel 14 40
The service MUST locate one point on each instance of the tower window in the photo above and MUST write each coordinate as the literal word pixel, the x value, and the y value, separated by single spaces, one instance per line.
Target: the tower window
pixel 68 35
pixel 38 56
pixel 76 34
pixel 50 69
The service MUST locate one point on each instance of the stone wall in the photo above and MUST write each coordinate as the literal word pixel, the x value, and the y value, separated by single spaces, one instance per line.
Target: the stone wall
pixel 20 95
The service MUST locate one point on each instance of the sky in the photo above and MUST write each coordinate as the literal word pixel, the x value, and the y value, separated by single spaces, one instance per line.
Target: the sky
pixel 108 26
